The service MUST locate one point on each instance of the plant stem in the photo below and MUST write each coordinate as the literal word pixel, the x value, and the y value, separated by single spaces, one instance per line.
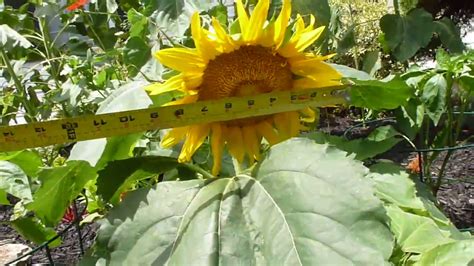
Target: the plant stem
pixel 21 89
pixel 199 170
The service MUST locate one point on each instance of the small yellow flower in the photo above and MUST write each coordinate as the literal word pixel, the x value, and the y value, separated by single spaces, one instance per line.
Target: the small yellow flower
pixel 259 60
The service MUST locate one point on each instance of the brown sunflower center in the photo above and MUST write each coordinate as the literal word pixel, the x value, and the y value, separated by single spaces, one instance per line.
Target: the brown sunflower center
pixel 247 71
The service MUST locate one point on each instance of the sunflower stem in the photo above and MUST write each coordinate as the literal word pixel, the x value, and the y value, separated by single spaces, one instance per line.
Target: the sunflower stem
pixel 199 170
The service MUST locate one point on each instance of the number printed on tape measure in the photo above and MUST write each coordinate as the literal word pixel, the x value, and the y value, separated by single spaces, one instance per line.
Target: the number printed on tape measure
pixel 121 123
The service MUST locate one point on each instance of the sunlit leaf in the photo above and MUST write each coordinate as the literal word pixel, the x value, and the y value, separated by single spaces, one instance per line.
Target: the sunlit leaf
pixel 393 185
pixel 14 181
pixel 457 253
pixel 29 161
pixel 9 38
pixel 59 186
pixel 415 233
pixel 349 72
pixel 307 204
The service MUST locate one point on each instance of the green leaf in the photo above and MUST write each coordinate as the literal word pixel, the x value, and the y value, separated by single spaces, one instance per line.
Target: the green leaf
pixel 377 95
pixel 449 35
pixel 14 181
pixel 59 186
pixel 138 24
pixel 457 253
pixel 467 83
pixel 415 233
pixel 434 97
pixel 405 35
pixel 372 62
pixel 319 8
pixel 393 185
pixel 347 41
pixel 136 54
pixel 379 141
pixel 410 117
pixel 3 198
pixel 99 151
pixel 118 175
pixel 32 229
pixel 29 161
pixel 10 39
pixel 349 72
pixel 173 16
pixel 308 204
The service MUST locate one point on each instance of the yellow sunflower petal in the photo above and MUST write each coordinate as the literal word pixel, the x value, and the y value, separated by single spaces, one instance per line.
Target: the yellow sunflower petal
pixel 192 82
pixel 174 136
pixel 174 83
pixel 309 83
pixel 181 59
pixel 251 143
pixel 194 139
pixel 300 41
pixel 315 69
pixel 268 132
pixel 243 17
pixel 287 124
pixel 281 24
pixel 206 48
pixel 309 115
pixel 255 26
pixel 235 143
pixel 228 44
pixel 217 145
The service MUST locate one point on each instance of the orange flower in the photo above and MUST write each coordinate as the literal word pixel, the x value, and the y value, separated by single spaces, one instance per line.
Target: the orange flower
pixel 77 4
pixel 414 165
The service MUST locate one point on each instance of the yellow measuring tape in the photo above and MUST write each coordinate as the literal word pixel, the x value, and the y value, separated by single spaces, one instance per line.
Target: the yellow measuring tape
pixel 59 131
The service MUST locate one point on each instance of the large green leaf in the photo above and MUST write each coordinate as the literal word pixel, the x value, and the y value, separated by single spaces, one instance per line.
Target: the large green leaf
pixel 415 233
pixel 379 141
pixel 14 181
pixel 306 204
pixel 59 186
pixel 377 95
pixel 10 39
pixel 99 151
pixel 434 97
pixel 457 253
pixel 393 185
pixel 449 35
pixel 28 161
pixel 173 16
pixel 119 175
pixel 405 35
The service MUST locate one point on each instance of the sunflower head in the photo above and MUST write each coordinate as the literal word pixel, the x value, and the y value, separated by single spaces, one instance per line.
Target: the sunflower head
pixel 258 60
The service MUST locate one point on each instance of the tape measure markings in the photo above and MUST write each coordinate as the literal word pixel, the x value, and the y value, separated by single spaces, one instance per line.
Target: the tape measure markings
pixel 127 122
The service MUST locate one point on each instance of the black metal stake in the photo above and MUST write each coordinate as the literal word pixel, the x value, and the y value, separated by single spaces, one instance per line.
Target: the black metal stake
pixel 48 254
pixel 78 217
pixel 420 166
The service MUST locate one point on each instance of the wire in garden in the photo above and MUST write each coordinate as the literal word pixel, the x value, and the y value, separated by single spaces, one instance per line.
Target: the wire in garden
pixel 45 244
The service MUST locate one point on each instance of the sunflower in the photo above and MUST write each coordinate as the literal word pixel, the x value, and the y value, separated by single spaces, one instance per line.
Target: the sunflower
pixel 258 60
